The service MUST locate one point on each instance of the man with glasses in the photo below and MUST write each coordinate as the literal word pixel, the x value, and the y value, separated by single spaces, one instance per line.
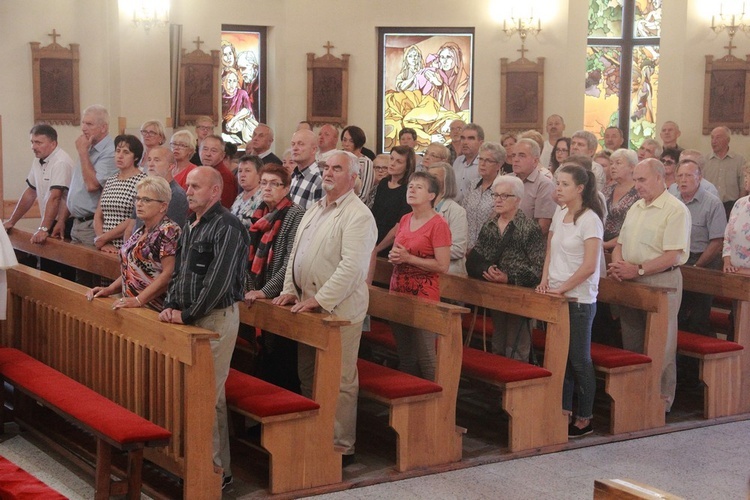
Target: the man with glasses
pixel 204 126
pixel 537 202
pixel 706 238
pixel 478 201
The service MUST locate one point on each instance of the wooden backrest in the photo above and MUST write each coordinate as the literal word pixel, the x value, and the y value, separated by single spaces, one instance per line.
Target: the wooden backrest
pixel 438 317
pixel 162 372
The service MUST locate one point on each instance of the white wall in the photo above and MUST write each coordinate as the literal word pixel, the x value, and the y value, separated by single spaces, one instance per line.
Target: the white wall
pixel 127 70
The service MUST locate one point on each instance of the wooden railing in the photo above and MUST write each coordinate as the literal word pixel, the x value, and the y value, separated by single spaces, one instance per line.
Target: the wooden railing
pixel 162 372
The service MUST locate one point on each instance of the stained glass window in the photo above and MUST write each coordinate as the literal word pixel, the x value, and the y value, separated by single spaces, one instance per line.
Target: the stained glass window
pixel 622 68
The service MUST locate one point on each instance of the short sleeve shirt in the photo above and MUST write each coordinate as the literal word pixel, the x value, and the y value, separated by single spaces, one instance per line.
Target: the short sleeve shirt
pixel 406 278
pixel 55 173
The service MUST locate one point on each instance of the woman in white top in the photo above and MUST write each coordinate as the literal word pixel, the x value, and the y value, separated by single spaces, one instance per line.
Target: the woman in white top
pixel 572 268
pixel 453 213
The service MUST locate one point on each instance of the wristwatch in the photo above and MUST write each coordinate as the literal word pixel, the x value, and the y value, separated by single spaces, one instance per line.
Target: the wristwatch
pixel 42 228
pixel 641 271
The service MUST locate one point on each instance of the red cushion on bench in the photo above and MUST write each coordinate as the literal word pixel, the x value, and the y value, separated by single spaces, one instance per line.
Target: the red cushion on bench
pixel 720 320
pixel 380 334
pixel 602 355
pixel 262 398
pixel 481 318
pixel 700 344
pixel 120 425
pixel 499 368
pixel 16 483
pixel 390 383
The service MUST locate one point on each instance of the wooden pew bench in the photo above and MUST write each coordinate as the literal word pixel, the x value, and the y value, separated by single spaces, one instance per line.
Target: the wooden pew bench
pixel 296 432
pixel 532 396
pixel 423 413
pixel 113 426
pixel 724 366
pixel 719 370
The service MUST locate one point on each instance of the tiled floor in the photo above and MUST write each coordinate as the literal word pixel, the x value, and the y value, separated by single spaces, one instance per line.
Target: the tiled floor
pixel 705 463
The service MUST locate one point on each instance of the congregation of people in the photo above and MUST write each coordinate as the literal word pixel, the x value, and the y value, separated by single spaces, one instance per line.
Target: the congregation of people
pixel 200 229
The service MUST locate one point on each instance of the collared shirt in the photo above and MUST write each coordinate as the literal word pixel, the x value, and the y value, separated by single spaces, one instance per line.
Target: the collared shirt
pixel 537 201
pixel 650 230
pixel 705 185
pixel 737 237
pixel 467 175
pixel 322 212
pixel 55 173
pixel 479 208
pixel 81 202
pixel 727 174
pixel 709 219
pixel 306 186
pixel 209 269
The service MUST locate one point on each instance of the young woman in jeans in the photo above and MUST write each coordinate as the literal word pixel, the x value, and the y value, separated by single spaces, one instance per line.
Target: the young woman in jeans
pixel 571 268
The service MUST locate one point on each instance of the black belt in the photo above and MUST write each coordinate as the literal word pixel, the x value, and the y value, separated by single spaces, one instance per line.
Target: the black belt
pixel 84 219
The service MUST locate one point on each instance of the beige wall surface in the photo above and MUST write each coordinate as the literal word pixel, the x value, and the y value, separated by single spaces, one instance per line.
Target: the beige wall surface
pixel 127 70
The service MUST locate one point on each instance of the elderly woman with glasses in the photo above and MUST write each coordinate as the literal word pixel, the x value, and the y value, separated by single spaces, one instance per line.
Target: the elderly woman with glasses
pixel 478 203
pixel 152 135
pixel 272 227
pixel 182 145
pixel 147 258
pixel 509 249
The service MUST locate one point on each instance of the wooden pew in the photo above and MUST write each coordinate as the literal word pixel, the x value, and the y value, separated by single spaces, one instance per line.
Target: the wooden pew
pixel 636 394
pixel 301 450
pixel 534 408
pixel 161 372
pixel 301 463
pixel 727 378
pixel 627 489
pixel 425 424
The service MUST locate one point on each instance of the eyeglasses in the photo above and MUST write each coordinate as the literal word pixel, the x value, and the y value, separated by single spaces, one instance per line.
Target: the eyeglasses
pixel 144 199
pixel 179 145
pixel 668 162
pixel 562 150
pixel 434 156
pixel 149 133
pixel 381 169
pixel 501 197
pixel 488 160
pixel 272 184
pixel 204 128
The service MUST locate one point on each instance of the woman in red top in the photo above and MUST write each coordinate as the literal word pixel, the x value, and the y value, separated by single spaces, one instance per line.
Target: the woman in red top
pixel 420 253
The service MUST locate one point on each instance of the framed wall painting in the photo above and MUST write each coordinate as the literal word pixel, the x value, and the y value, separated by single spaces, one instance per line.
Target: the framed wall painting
pixel 56 83
pixel 199 77
pixel 327 88
pixel 726 95
pixel 425 82
pixel 521 95
pixel 243 81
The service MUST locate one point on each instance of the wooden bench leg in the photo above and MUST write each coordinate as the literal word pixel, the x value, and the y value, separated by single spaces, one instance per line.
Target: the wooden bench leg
pixel 632 407
pixel 536 417
pixel 721 395
pixel 424 435
pixel 135 473
pixel 103 469
pixel 301 456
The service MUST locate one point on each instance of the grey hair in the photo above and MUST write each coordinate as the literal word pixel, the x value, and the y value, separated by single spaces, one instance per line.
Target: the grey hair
pixel 695 155
pixel 450 186
pixel 509 180
pixel 157 185
pixel 655 165
pixel 496 149
pixel 587 136
pixel 187 136
pixel 627 154
pixel 101 113
pixel 658 150
pixel 442 150
pixel 353 160
pixel 533 146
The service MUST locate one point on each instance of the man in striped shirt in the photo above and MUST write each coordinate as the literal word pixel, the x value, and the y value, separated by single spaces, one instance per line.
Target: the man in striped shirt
pixel 208 282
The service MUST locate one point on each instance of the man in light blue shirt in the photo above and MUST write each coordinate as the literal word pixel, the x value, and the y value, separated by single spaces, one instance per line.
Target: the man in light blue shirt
pixel 96 152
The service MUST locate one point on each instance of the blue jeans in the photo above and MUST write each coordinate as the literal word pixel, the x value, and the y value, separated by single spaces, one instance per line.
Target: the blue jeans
pixel 579 375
